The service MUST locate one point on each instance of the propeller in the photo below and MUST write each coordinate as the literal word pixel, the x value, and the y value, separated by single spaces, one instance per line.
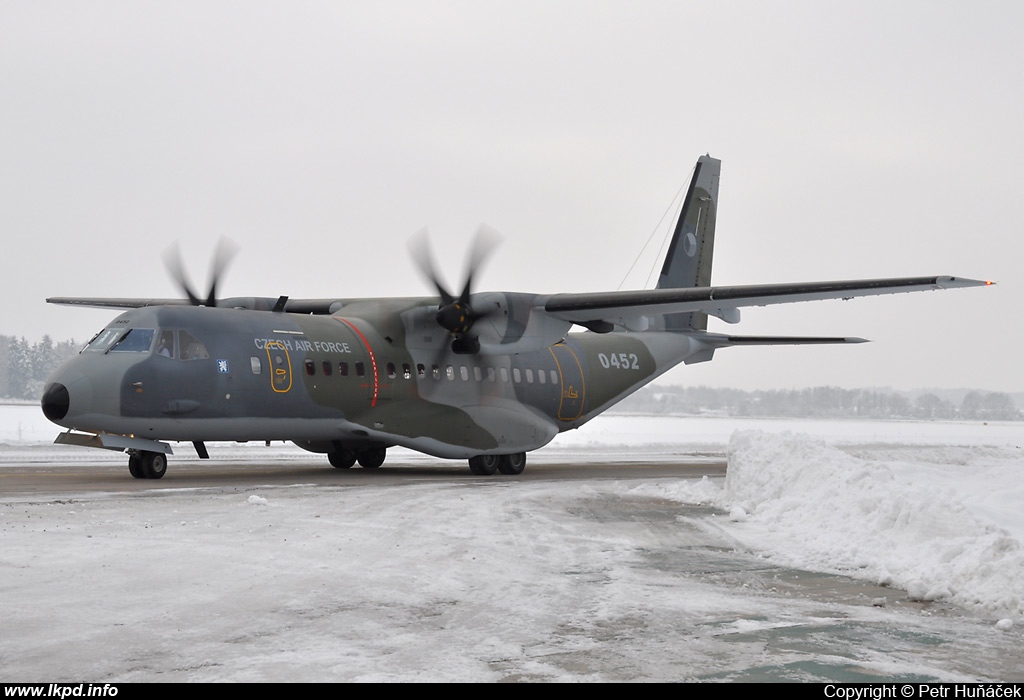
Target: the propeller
pixel 455 313
pixel 226 250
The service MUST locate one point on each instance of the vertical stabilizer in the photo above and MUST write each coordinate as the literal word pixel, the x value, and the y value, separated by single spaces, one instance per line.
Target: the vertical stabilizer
pixel 688 262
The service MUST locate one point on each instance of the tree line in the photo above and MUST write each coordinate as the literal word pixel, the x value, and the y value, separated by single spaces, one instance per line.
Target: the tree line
pixel 25 366
pixel 821 402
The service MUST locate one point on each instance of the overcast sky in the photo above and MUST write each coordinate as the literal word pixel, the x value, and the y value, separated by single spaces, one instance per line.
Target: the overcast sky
pixel 858 140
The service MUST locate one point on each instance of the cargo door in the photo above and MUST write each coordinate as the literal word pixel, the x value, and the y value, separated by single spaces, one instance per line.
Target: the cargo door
pixel 573 388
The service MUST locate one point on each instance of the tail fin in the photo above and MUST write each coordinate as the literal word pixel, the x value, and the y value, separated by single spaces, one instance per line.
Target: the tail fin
pixel 688 262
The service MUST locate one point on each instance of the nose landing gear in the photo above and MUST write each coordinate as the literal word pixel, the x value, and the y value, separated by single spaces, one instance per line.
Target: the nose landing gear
pixel 147 465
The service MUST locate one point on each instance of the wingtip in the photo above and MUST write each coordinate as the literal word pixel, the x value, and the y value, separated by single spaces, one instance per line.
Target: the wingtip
pixel 951 282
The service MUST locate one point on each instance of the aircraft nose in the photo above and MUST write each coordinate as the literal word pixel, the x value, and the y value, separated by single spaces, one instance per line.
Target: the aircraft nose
pixel 56 401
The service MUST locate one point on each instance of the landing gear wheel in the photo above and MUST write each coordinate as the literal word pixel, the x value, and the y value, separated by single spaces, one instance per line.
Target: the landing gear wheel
pixel 154 465
pixel 484 465
pixel 135 467
pixel 513 463
pixel 342 459
pixel 372 458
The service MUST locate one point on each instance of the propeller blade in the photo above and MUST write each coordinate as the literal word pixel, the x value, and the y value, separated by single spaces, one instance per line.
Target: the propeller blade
pixel 455 314
pixel 226 250
pixel 222 257
pixel 484 243
pixel 176 269
pixel 420 251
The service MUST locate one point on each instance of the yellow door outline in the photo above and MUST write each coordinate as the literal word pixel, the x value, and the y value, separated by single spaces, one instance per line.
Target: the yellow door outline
pixel 280 370
pixel 572 396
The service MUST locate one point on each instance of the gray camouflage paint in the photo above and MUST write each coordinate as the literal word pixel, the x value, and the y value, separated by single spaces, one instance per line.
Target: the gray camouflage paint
pixel 353 375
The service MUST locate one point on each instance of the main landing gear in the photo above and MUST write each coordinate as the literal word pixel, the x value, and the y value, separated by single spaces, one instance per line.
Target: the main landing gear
pixel 485 465
pixel 370 458
pixel 147 465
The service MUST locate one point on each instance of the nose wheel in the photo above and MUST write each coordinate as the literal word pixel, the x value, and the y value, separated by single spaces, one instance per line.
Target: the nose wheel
pixel 147 465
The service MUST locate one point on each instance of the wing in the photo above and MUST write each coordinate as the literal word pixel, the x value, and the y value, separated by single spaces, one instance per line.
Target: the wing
pixel 596 309
pixel 299 306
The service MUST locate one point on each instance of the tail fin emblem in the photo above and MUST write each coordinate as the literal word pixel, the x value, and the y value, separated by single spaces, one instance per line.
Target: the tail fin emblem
pixel 690 244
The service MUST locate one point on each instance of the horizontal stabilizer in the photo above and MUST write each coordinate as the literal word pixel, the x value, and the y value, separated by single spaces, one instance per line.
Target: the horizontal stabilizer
pixel 783 340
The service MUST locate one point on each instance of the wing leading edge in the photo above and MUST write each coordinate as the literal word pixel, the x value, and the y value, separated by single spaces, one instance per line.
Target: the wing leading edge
pixel 297 306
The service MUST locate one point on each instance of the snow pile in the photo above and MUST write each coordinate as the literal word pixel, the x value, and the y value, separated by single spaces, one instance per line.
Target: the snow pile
pixel 814 506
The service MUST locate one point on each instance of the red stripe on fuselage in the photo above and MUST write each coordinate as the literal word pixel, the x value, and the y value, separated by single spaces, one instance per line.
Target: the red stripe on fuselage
pixel 373 358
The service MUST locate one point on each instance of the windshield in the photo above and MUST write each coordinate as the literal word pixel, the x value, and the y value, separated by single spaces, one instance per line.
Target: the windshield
pixel 121 340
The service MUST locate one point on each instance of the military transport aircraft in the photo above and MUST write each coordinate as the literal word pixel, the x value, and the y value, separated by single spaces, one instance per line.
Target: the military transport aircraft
pixel 483 376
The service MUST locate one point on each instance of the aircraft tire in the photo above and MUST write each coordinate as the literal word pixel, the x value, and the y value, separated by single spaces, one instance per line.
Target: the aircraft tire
pixel 342 459
pixel 484 465
pixel 135 467
pixel 154 465
pixel 512 464
pixel 372 458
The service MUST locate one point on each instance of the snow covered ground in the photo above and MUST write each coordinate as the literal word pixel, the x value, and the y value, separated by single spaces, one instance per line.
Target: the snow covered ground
pixel 475 580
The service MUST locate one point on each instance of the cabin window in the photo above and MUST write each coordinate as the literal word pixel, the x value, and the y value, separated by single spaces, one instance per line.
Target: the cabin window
pixel 406 371
pixel 464 373
pixel 343 369
pixel 554 377
pixel 517 376
pixel 478 374
pixel 436 371
pixel 327 368
pixel 191 347
pixel 360 369
pixel 256 365
pixel 310 367
pixel 391 370
pixel 421 371
pixel 542 376
pixel 490 374
pixel 529 376
pixel 449 372
pixel 504 374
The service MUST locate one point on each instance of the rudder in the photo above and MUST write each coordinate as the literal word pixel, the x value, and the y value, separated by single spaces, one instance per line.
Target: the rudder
pixel 688 261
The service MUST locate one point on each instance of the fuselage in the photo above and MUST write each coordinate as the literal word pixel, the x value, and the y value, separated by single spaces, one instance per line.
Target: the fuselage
pixel 380 374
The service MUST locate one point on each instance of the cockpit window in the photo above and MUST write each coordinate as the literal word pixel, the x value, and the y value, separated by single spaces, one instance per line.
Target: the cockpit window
pixel 121 340
pixel 103 340
pixel 134 340
pixel 191 347
pixel 165 344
